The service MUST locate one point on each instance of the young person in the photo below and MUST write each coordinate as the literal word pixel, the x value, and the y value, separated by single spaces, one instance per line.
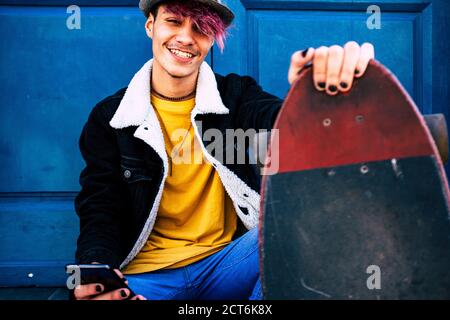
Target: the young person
pixel 178 229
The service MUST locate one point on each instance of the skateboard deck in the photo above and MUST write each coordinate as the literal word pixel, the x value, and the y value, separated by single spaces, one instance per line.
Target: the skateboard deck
pixel 359 206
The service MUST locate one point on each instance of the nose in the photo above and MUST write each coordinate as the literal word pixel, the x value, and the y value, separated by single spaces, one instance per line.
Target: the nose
pixel 185 35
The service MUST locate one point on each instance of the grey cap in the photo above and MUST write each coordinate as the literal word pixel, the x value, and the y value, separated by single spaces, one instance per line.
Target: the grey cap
pixel 224 13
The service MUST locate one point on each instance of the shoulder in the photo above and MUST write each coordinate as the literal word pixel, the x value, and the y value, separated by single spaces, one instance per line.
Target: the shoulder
pixel 233 86
pixel 108 106
pixel 235 81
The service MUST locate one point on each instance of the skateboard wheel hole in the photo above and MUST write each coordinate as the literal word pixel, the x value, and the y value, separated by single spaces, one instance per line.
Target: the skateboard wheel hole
pixel 326 122
pixel 364 169
pixel 359 118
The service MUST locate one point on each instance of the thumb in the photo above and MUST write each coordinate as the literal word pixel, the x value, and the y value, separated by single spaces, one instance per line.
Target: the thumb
pixel 299 60
pixel 121 275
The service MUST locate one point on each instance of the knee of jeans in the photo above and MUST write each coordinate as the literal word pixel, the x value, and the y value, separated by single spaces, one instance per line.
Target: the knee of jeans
pixel 253 243
pixel 254 234
pixel 245 248
pixel 252 238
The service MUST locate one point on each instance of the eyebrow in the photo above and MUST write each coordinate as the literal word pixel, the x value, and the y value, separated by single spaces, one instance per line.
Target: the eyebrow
pixel 166 12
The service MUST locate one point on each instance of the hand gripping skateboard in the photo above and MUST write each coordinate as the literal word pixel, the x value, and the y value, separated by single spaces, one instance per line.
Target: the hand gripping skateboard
pixel 359 207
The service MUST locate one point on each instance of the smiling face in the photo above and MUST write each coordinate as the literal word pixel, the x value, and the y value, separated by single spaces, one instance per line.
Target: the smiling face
pixel 179 48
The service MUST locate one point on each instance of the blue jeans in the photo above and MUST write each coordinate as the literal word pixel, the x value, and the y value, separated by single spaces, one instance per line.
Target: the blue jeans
pixel 230 274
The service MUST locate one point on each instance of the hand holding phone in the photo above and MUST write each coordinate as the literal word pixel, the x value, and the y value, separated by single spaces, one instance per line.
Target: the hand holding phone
pixel 100 282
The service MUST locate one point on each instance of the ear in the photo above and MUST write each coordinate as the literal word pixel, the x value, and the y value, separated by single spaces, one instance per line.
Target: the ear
pixel 149 24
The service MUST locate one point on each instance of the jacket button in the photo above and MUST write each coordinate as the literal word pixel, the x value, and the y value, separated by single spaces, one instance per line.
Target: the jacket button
pixel 127 174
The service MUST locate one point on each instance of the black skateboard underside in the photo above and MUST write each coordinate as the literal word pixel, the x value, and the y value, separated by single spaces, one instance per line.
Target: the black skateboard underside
pixel 323 228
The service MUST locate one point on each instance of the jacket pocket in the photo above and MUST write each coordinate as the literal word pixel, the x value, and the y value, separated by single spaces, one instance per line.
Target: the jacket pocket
pixel 135 170
pixel 141 178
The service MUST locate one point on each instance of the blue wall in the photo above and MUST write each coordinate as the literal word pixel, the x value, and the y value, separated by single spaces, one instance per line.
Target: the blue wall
pixel 52 76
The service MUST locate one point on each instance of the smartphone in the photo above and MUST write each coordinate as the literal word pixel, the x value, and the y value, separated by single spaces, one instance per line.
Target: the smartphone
pixel 101 273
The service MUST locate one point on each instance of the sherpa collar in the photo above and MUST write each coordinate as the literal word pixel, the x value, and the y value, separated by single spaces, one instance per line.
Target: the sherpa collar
pixel 135 106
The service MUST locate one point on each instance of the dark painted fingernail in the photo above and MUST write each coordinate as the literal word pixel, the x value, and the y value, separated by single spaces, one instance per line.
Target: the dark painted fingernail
pixel 98 288
pixel 123 294
pixel 332 88
pixel 321 85
pixel 304 52
pixel 357 71
pixel 344 85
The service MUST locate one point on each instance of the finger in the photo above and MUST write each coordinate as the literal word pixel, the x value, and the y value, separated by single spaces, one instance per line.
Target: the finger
pixel 351 57
pixel 120 274
pixel 334 66
pixel 119 294
pixel 320 68
pixel 87 290
pixel 138 297
pixel 367 53
pixel 299 60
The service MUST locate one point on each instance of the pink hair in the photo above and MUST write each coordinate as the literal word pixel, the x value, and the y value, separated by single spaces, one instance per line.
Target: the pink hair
pixel 207 21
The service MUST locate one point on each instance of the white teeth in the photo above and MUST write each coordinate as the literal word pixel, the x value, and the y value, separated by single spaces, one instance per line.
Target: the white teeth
pixel 181 53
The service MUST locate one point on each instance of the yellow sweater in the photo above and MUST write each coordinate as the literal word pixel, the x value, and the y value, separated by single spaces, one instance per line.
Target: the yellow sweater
pixel 196 217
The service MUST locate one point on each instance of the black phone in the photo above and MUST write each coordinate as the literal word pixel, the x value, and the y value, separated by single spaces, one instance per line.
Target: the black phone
pixel 100 273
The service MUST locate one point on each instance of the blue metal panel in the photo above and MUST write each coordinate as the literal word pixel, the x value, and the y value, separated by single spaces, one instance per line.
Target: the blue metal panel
pixel 33 273
pixel 440 57
pixel 40 227
pixel 52 76
pixel 102 3
pixel 37 238
pixel 337 5
pixel 314 29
